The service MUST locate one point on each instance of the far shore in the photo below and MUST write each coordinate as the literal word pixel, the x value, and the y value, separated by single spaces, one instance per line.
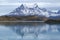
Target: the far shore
pixel 21 21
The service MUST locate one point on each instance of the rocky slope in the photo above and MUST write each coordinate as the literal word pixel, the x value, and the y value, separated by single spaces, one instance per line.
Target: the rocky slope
pixel 23 18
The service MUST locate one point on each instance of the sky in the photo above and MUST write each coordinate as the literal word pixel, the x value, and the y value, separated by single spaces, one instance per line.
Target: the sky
pixel 48 3
pixel 41 3
pixel 16 1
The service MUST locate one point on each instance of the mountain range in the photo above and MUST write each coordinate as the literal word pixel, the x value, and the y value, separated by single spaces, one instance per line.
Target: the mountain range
pixel 35 13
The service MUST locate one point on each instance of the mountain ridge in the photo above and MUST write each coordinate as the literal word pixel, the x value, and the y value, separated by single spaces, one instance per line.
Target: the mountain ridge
pixel 35 13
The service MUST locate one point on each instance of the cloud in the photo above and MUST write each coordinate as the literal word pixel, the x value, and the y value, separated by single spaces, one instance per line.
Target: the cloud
pixel 39 1
pixel 22 1
pixel 3 1
pixel 9 1
pixel 41 4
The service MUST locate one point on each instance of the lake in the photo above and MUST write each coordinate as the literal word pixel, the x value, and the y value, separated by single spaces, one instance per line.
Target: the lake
pixel 29 31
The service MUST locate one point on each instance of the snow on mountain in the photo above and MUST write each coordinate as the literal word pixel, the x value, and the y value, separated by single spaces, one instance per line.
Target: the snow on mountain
pixel 58 12
pixel 54 15
pixel 23 10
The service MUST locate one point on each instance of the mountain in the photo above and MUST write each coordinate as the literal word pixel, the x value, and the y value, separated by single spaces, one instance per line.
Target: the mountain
pixel 58 12
pixel 26 11
pixel 54 15
pixel 35 13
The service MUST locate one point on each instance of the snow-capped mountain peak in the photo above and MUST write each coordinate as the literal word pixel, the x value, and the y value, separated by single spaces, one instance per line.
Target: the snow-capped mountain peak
pixel 23 10
pixel 35 5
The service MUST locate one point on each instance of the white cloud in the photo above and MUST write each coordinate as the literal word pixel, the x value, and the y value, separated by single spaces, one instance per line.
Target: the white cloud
pixel 41 4
pixel 31 1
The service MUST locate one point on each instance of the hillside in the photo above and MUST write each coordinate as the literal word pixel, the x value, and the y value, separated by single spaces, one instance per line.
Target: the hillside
pixel 24 18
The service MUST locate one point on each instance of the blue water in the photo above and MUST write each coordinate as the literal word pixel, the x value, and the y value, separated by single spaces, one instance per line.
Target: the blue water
pixel 29 31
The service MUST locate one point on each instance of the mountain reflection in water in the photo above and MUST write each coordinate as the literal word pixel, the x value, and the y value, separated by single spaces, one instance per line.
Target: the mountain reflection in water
pixel 33 31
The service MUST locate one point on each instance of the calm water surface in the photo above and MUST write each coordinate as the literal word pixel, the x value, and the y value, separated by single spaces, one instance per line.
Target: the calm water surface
pixel 29 31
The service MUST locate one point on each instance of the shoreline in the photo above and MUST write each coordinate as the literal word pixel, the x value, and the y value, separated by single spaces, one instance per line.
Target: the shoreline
pixel 22 21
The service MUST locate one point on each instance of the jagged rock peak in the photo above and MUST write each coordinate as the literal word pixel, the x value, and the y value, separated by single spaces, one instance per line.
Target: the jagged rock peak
pixel 22 6
pixel 35 5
